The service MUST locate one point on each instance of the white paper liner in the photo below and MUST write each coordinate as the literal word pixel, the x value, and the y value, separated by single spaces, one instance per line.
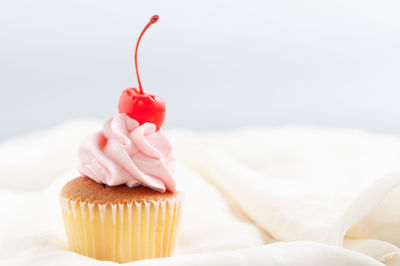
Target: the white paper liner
pixel 122 232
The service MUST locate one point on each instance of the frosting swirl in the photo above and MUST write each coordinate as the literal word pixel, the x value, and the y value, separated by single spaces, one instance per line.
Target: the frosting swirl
pixel 124 152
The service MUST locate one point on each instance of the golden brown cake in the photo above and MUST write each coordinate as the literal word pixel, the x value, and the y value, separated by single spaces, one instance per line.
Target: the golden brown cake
pixel 119 223
pixel 85 189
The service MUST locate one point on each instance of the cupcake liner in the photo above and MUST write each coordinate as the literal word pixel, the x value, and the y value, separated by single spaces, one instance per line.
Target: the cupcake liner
pixel 122 232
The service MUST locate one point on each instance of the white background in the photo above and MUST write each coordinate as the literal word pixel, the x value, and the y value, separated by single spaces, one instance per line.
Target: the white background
pixel 219 64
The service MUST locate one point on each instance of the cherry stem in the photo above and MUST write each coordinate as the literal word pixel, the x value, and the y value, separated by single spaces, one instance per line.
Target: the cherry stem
pixel 153 20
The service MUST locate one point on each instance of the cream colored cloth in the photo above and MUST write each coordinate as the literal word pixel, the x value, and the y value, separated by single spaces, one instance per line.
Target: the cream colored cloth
pixel 278 196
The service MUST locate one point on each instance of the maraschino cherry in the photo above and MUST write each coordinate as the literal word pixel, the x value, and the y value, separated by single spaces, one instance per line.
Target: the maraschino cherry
pixel 138 104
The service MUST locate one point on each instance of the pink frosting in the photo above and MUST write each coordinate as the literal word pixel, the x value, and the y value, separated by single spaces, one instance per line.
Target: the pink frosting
pixel 125 152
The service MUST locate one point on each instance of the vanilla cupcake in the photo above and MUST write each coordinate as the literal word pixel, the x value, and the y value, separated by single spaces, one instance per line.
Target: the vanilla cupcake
pixel 125 206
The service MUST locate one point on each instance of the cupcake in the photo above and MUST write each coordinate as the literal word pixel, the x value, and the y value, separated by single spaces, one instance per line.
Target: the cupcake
pixel 125 206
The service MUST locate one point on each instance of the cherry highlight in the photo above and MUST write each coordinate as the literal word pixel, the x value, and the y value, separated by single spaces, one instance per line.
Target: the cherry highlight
pixel 153 20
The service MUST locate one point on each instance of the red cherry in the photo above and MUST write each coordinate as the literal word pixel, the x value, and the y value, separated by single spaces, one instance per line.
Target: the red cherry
pixel 138 104
pixel 143 107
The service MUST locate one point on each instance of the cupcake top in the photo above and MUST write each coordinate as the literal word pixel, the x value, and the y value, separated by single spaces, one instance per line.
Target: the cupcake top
pixel 131 149
pixel 126 152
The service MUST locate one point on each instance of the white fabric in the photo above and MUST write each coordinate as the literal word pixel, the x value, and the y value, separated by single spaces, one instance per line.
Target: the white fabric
pixel 279 196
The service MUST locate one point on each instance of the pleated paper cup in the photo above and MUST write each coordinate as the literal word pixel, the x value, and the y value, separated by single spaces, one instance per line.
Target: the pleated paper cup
pixel 122 232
